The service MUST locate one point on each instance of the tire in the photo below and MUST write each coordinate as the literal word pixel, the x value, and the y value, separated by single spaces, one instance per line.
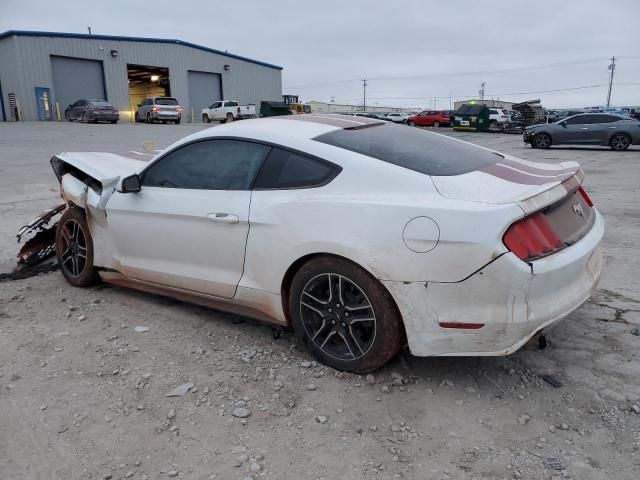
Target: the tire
pixel 114 121
pixel 149 118
pixel 84 118
pixel 136 118
pixel 436 124
pixel 541 140
pixel 360 346
pixel 178 122
pixel 229 118
pixel 620 142
pixel 206 119
pixel 73 239
pixel 412 123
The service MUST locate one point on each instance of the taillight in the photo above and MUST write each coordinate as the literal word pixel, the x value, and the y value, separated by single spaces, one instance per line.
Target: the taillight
pixel 585 197
pixel 178 110
pixel 238 110
pixel 532 237
pixel 155 109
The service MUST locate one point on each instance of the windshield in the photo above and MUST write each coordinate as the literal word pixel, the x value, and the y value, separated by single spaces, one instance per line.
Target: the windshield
pixel 412 148
pixel 166 101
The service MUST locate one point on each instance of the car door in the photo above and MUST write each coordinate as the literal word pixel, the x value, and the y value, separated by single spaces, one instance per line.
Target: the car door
pixel 577 130
pixel 78 109
pixel 215 110
pixel 187 226
pixel 606 127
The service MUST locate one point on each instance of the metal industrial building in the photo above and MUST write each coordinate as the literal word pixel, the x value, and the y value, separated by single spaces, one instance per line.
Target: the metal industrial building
pixel 41 73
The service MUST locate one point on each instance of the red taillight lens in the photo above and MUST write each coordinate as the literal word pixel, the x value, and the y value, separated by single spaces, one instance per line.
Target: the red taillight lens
pixel 585 197
pixel 178 110
pixel 154 109
pixel 238 110
pixel 532 237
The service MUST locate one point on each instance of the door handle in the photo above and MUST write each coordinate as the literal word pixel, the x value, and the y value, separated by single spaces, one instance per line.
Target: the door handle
pixel 223 218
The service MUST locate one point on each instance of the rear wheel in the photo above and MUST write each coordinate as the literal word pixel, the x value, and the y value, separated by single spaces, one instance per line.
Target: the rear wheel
pixel 346 318
pixel 229 118
pixel 620 142
pixel 541 140
pixel 148 118
pixel 74 249
pixel 178 122
pixel 136 117
pixel 114 121
pixel 436 124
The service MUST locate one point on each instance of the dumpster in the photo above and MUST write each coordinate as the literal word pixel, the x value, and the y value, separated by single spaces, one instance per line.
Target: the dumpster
pixel 471 118
pixel 273 109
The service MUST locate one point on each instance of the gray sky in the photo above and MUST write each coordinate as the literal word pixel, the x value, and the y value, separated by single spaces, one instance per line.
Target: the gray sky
pixel 409 50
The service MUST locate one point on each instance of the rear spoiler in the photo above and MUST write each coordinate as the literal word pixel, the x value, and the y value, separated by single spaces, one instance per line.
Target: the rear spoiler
pixel 548 197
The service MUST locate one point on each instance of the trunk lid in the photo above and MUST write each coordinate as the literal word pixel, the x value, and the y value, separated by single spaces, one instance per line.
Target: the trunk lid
pixel 512 180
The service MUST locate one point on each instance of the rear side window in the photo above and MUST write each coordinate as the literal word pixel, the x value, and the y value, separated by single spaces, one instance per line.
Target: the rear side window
pixel 412 148
pixel 284 169
pixel 166 101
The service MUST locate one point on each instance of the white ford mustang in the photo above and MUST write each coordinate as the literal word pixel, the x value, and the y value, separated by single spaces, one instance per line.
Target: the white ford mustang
pixel 360 234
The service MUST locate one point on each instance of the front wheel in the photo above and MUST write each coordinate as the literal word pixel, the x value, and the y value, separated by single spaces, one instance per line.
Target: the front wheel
pixel 74 249
pixel 412 123
pixel 620 142
pixel 346 318
pixel 541 140
pixel 206 119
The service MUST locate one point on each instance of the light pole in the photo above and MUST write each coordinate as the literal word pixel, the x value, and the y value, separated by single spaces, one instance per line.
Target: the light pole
pixel 612 67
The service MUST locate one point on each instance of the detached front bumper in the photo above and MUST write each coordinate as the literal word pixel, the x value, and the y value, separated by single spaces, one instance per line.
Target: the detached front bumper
pixel 511 299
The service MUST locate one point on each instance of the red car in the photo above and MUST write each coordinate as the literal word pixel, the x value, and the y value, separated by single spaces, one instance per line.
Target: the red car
pixel 430 118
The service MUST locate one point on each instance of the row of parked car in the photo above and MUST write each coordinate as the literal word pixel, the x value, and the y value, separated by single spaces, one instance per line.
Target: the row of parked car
pixel 150 110
pixel 435 118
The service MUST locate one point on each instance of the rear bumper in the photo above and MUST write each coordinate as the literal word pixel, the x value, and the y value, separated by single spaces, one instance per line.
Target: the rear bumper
pixel 105 117
pixel 512 299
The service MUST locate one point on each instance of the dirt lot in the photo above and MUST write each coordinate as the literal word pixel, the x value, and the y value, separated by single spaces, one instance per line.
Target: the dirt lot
pixel 83 394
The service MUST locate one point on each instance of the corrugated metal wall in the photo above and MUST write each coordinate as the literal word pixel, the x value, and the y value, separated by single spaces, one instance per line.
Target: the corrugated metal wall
pixel 244 81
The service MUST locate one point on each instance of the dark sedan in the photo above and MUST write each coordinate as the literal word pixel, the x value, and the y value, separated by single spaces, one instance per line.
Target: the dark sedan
pixel 615 131
pixel 93 111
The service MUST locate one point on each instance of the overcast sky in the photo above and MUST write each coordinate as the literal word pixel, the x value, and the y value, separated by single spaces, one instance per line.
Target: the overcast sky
pixel 409 50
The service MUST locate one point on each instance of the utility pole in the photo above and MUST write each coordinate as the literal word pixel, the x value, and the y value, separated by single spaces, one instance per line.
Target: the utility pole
pixel 612 67
pixel 482 91
pixel 449 99
pixel 364 94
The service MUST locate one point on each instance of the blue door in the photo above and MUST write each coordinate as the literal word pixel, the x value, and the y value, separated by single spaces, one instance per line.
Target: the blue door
pixel 43 100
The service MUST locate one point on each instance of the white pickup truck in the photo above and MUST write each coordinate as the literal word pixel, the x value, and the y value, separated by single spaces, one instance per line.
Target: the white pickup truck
pixel 227 111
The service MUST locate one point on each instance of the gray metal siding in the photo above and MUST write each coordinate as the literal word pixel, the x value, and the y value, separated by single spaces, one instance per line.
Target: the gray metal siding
pixel 204 89
pixel 74 79
pixel 10 73
pixel 244 81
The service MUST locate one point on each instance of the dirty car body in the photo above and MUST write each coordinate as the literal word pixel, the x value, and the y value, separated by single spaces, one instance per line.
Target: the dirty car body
pixel 478 251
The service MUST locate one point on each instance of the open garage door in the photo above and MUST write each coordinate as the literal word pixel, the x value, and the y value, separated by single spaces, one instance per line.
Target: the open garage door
pixel 76 78
pixel 204 89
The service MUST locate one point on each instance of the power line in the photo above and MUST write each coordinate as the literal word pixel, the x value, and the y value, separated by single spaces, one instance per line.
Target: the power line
pixel 463 73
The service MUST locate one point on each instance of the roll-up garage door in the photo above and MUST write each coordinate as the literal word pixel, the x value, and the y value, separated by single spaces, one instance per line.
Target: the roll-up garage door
pixel 204 89
pixel 76 78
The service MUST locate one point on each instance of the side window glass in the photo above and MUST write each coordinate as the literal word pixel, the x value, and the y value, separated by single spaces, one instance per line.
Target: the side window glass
pixel 232 104
pixel 208 165
pixel 577 120
pixel 284 169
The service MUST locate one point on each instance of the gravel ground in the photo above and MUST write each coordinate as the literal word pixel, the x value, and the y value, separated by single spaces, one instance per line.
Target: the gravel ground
pixel 83 389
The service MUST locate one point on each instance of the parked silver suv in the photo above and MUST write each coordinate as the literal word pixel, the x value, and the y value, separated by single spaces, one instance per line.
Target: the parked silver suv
pixel 159 109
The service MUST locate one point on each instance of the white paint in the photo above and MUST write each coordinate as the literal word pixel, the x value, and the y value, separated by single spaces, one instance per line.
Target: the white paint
pixel 421 234
pixel 370 213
